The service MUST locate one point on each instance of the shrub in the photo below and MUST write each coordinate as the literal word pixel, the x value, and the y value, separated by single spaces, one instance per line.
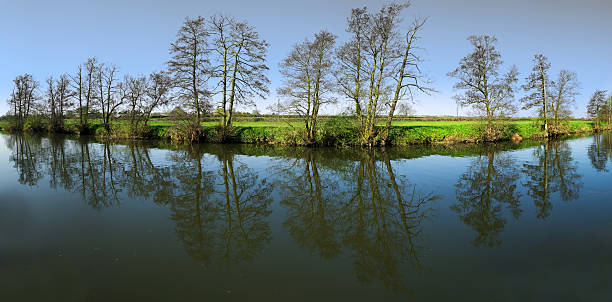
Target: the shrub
pixel 35 124
pixel 190 131
pixel 339 130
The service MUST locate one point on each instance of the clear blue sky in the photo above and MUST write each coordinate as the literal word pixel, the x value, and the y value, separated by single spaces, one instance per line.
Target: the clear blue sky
pixel 52 37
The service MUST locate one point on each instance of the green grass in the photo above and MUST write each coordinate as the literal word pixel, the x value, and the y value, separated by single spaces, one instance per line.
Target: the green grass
pixel 342 131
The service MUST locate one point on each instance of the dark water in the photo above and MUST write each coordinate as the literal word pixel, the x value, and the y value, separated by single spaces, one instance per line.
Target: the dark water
pixel 87 221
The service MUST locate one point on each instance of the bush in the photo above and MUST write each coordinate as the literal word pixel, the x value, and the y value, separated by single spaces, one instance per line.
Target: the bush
pixel 35 124
pixel 190 131
pixel 339 130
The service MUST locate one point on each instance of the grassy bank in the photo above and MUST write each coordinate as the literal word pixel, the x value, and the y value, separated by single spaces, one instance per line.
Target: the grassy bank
pixel 333 131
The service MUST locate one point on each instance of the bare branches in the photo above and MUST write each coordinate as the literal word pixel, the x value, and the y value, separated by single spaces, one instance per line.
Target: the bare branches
pixel 478 76
pixel 189 64
pixel 239 64
pixel 308 82
pixel 537 85
pixel 24 96
pixel 563 92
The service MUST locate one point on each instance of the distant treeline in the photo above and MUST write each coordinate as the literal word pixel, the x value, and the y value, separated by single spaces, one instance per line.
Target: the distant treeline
pixel 218 63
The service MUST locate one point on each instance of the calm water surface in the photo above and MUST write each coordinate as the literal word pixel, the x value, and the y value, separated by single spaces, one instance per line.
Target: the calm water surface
pixel 82 220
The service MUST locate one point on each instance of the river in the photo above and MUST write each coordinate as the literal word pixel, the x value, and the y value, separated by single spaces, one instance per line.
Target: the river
pixel 83 220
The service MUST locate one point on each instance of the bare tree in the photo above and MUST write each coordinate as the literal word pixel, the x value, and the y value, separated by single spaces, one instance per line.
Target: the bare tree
pixel 405 109
pixel 308 84
pixel 563 95
pixel 23 97
pixel 380 53
pixel 133 90
pixel 598 108
pixel 157 93
pixel 107 96
pixel 58 96
pixel 64 96
pixel 51 95
pixel 240 64
pixel 538 83
pixel 189 64
pixel 484 88
pixel 378 67
pixel 84 84
pixel 351 72
pixel 407 74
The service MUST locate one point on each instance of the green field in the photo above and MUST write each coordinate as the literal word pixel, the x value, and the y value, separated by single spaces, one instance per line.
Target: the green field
pixel 343 131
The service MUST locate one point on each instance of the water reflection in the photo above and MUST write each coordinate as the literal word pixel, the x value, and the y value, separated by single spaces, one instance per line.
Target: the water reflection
pixel 600 151
pixel 24 158
pixel 489 185
pixel 353 204
pixel 361 207
pixel 552 170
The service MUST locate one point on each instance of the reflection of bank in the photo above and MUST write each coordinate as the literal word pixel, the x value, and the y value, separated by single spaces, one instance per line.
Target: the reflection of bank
pixel 360 206
pixel 600 151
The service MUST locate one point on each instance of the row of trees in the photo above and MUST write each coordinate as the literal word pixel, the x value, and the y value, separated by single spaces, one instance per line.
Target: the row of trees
pixel 218 56
pixel 378 70
pixel 375 69
pixel 223 58
pixel 95 86
pixel 491 92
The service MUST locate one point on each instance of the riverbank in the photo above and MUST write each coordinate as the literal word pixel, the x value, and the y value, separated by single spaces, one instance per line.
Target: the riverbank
pixel 335 131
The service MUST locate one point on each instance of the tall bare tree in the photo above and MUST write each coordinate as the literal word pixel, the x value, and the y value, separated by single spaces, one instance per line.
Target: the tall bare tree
pixel 308 71
pixel 84 84
pixel 107 95
pixel 378 67
pixel 23 97
pixel 563 95
pixel 64 96
pixel 189 64
pixel 596 108
pixel 380 54
pixel 51 95
pixel 239 64
pixel 57 100
pixel 537 84
pixel 484 88
pixel 407 74
pixel 351 72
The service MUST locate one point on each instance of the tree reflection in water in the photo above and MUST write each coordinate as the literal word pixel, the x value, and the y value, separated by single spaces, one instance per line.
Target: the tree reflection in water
pixel 361 207
pixel 600 151
pixel 25 158
pixel 553 170
pixel 489 184
pixel 219 214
